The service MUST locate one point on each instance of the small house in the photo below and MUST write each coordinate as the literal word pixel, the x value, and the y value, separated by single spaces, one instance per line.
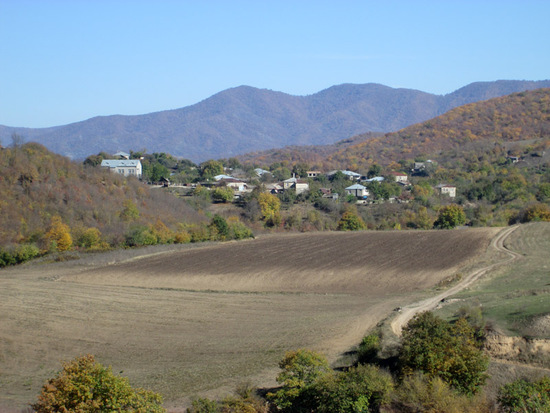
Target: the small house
pixel 399 177
pixel 357 190
pixel 445 189
pixel 299 185
pixel 313 174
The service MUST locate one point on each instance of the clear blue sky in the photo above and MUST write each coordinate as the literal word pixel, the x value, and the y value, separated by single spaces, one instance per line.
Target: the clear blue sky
pixel 62 61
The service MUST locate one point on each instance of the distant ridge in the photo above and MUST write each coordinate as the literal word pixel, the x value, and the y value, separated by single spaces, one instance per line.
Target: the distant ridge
pixel 245 119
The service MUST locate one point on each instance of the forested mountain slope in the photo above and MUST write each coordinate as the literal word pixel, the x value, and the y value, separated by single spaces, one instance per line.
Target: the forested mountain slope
pixel 245 119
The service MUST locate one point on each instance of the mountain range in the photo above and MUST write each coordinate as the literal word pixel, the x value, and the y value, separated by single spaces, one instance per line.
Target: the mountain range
pixel 245 119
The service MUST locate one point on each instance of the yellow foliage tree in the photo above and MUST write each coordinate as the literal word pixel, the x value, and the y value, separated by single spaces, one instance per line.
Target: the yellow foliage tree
pixel 58 235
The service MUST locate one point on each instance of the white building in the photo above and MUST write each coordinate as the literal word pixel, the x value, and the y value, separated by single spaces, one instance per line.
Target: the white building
pixel 445 189
pixel 125 167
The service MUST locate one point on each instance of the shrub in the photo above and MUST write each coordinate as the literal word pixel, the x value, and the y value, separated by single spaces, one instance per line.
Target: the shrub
pixel 89 238
pixel 85 386
pixel 218 228
pixel 419 393
pixel 139 236
pixel 360 389
pixel 202 405
pixel 525 396
pixel 368 349
pixel 18 254
pixel 440 349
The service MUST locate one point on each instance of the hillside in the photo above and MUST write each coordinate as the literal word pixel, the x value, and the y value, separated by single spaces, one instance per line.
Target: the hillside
pixel 245 119
pixel 37 185
pixel 501 121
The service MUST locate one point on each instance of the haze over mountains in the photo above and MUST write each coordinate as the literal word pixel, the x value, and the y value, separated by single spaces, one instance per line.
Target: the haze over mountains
pixel 245 119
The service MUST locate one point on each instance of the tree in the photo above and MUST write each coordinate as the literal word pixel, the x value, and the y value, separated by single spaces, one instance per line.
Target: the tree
pixel 219 228
pixel 360 389
pixel 350 221
pixel 130 211
pixel 450 351
pixel 374 170
pixel 270 206
pixel 58 236
pixel 300 370
pixel 222 194
pixel 210 169
pixel 85 386
pixel 450 216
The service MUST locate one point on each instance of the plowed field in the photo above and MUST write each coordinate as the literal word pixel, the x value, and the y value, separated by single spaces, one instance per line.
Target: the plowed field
pixel 197 320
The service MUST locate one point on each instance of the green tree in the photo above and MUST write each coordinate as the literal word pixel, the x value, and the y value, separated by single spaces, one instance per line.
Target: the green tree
pixel 525 396
pixel 450 216
pixel 130 211
pixel 300 370
pixel 360 389
pixel 219 229
pixel 210 169
pixel 435 347
pixel 374 170
pixel 85 386
pixel 222 194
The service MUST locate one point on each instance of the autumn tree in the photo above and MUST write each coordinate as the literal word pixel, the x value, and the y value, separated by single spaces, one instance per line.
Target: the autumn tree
pixel 270 207
pixel 351 221
pixel 85 386
pixel 58 236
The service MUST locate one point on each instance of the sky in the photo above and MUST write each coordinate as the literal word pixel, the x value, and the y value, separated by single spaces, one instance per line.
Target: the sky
pixel 64 61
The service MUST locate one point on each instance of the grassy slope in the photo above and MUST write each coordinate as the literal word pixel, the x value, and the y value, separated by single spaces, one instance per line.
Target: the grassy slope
pixel 513 298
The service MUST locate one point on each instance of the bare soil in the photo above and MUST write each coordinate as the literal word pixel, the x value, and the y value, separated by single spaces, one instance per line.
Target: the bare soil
pixel 197 320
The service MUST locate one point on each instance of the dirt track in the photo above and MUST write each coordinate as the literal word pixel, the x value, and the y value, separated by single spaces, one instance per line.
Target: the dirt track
pixel 200 319
pixel 408 312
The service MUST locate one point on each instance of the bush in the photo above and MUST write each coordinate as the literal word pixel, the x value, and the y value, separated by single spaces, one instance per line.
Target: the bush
pixel 18 254
pixel 525 396
pixel 360 389
pixel 139 236
pixel 419 393
pixel 368 349
pixel 440 349
pixel 85 386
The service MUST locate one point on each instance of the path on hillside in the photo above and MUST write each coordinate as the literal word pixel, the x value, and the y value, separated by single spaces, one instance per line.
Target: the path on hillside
pixel 408 312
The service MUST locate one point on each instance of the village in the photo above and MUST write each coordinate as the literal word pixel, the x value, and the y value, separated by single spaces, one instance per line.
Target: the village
pixel 360 188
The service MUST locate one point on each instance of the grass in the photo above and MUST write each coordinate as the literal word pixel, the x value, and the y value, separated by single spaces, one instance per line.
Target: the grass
pixel 514 297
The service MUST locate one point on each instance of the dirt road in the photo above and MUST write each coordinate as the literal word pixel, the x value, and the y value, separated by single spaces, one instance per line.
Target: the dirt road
pixel 408 312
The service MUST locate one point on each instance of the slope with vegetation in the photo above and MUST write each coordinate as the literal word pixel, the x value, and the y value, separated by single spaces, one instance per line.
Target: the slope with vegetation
pixel 244 119
pixel 51 204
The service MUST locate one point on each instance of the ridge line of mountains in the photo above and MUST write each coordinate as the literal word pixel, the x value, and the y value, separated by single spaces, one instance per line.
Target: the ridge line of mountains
pixel 246 119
